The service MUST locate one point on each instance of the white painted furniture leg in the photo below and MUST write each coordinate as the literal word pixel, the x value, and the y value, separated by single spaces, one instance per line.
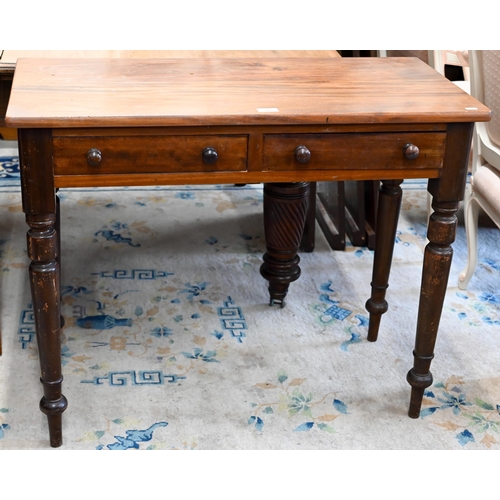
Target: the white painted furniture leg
pixel 471 207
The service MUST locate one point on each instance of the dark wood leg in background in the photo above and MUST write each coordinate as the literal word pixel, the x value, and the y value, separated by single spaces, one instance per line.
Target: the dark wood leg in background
pixel 330 212
pixel 347 207
pixel 387 222
pixel 39 205
pixel 285 211
pixel 308 237
pixel 371 189
pixel 355 212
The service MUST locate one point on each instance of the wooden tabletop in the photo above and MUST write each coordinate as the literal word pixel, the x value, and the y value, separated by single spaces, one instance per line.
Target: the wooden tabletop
pixel 8 58
pixel 118 92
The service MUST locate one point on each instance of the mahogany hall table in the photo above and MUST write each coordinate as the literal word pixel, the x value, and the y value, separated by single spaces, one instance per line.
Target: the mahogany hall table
pixel 8 59
pixel 124 122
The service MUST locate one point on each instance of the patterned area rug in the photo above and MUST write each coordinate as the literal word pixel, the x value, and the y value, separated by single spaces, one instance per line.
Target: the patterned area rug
pixel 170 342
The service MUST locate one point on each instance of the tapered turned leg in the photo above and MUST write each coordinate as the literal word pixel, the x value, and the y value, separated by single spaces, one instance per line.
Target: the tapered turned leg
pixel 39 205
pixel 44 280
pixel 387 222
pixel 285 210
pixel 436 269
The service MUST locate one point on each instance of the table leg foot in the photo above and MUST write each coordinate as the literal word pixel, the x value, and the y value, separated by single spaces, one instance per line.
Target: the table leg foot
pixel 280 302
pixel 54 411
pixel 387 222
pixel 418 385
pixel 285 211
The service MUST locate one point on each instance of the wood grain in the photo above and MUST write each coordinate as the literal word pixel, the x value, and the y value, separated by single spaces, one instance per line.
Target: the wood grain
pixel 8 58
pixel 349 111
pixel 122 155
pixel 248 177
pixel 194 91
pixel 353 151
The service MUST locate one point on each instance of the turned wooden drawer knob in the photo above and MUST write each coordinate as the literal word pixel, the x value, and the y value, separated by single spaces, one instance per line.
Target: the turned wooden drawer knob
pixel 94 157
pixel 411 151
pixel 210 156
pixel 302 154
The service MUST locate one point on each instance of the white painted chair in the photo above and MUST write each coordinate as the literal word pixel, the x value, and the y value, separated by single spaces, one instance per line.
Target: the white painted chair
pixel 484 189
pixel 438 59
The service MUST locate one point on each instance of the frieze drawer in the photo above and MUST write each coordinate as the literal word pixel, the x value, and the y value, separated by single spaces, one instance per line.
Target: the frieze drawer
pixel 149 154
pixel 410 150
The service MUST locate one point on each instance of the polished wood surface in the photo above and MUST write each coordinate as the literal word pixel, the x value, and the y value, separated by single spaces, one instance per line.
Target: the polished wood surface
pixel 172 153
pixel 326 117
pixel 347 151
pixel 8 58
pixel 173 92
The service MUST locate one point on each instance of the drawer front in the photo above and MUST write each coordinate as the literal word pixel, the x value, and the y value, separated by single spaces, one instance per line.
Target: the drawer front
pixel 148 154
pixel 353 151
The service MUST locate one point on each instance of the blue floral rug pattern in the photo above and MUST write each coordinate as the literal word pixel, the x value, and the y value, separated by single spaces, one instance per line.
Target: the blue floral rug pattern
pixel 169 341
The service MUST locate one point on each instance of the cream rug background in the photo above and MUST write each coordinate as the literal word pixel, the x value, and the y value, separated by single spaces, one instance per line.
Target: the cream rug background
pixel 170 343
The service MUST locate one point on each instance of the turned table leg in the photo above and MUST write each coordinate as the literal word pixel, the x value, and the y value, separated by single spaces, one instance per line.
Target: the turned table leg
pixel 285 211
pixel 447 191
pixel 39 205
pixel 436 269
pixel 387 222
pixel 44 281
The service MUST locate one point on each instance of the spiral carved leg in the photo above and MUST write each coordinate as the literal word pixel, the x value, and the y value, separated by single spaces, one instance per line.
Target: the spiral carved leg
pixel 436 270
pixel 285 210
pixel 387 221
pixel 309 234
pixel 44 280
